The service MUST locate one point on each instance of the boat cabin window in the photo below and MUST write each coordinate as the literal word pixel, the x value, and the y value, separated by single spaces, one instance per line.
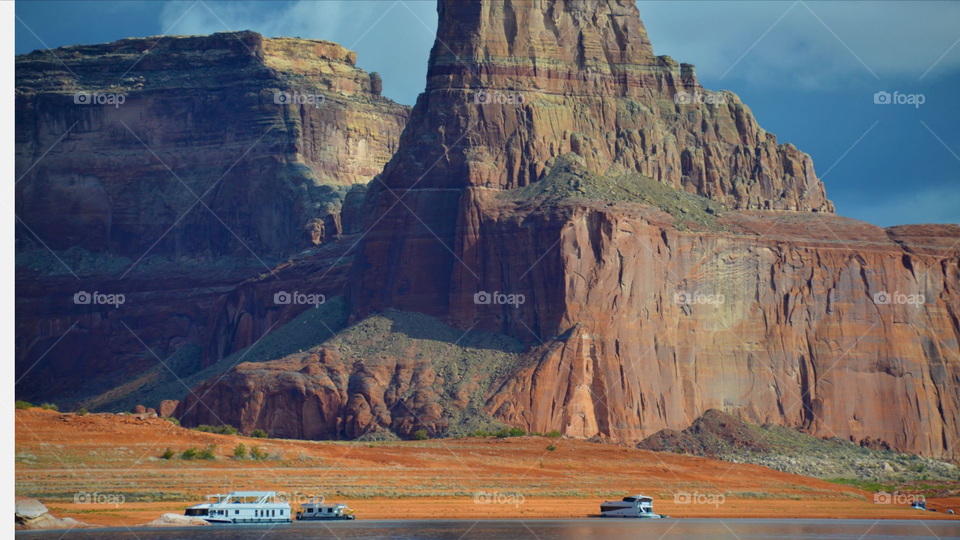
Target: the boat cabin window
pixel 629 499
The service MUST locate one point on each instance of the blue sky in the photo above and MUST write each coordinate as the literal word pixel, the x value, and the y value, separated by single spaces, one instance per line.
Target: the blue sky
pixel 808 70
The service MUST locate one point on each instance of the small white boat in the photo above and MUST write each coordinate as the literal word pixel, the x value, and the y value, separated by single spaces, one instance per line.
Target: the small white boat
pixel 242 507
pixel 636 506
pixel 316 510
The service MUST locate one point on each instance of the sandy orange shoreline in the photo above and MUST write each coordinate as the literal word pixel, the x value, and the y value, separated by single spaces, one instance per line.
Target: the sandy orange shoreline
pixel 138 514
pixel 61 456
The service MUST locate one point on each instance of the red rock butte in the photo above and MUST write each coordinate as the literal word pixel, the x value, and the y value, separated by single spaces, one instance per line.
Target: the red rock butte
pixel 799 329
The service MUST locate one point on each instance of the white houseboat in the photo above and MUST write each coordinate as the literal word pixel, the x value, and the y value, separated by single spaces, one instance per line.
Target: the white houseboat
pixel 316 510
pixel 243 507
pixel 636 506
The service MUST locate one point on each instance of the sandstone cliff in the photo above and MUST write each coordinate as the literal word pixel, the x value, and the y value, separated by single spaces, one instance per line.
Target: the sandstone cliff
pixel 391 374
pixel 779 319
pixel 282 176
pixel 619 355
pixel 513 83
pixel 269 132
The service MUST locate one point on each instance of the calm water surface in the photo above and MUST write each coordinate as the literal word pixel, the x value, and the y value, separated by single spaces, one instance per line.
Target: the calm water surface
pixel 667 529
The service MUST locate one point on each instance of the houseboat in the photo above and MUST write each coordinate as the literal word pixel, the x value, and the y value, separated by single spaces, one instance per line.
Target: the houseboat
pixel 316 510
pixel 242 507
pixel 636 506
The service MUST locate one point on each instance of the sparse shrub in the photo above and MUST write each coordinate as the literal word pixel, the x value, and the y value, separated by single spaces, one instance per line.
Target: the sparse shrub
pixel 510 432
pixel 554 434
pixel 189 453
pixel 240 451
pixel 221 430
pixel 172 420
pixel 49 407
pixel 551 448
pixel 82 411
pixel 208 453
pixel 168 454
pixel 20 404
pixel 259 434
pixel 256 453
pixel 420 435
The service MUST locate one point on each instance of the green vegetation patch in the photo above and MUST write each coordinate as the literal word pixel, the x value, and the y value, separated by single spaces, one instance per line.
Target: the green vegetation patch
pixel 567 177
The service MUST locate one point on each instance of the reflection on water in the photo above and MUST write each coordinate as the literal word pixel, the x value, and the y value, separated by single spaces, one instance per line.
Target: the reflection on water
pixel 701 529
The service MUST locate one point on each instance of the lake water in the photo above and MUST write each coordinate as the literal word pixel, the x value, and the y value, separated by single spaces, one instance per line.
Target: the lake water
pixel 666 529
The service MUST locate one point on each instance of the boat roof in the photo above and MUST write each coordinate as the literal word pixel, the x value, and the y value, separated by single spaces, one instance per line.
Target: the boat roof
pixel 644 497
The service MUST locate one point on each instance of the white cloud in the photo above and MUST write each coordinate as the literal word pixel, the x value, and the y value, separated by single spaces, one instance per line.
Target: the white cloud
pixel 315 20
pixel 894 39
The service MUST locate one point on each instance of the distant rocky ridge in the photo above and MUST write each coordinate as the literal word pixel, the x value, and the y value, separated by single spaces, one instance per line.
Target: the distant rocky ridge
pixel 269 132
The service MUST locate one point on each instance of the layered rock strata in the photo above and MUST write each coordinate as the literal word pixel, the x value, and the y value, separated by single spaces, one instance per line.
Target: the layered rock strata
pixel 116 142
pixel 613 291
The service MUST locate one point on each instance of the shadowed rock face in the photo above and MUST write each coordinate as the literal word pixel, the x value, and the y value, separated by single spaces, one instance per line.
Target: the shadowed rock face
pixel 275 174
pixel 397 372
pixel 195 117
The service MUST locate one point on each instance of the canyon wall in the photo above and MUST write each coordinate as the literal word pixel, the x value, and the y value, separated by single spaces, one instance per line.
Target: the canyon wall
pixel 786 321
pixel 116 144
pixel 276 136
